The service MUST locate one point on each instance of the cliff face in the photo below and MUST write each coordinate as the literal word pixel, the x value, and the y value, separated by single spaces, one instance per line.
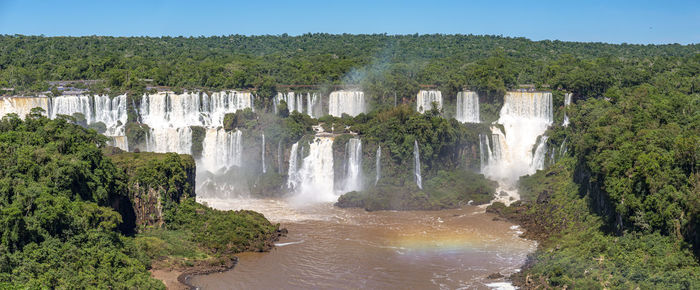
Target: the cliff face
pixel 155 183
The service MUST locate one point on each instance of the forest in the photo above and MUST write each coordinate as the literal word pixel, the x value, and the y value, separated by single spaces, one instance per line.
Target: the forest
pixel 619 209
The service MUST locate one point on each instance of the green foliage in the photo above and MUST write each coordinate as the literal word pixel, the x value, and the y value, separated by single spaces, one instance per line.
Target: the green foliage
pixel 439 139
pixel 448 189
pixel 170 175
pixel 57 226
pixel 639 154
pixel 136 135
pixel 297 125
pixel 198 134
pixel 575 253
pixel 64 205
pixel 222 232
pixel 383 65
pixel 99 127
pixel 282 109
pixel 242 119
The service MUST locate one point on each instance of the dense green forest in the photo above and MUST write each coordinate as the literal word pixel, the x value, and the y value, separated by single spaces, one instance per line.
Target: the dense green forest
pixel 67 211
pixel 381 64
pixel 619 208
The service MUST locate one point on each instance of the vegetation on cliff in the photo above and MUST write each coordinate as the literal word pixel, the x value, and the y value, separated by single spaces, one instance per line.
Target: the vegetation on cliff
pixel 68 211
pixel 448 189
pixel 620 209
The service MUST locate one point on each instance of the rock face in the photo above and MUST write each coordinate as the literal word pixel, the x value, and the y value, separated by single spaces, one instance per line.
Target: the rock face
pixel 155 181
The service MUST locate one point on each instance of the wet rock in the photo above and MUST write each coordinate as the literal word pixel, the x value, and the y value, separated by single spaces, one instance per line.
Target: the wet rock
pixel 494 276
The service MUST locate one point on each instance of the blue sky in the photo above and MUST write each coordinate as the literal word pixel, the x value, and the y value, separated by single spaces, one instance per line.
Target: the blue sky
pixel 663 21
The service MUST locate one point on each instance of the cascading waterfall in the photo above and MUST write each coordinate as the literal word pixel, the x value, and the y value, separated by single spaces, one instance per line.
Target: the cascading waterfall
pixel 425 100
pixel 467 107
pixel 264 169
pixel 484 151
pixel 119 142
pixel 562 148
pixel 96 109
pixel 353 170
pixel 112 112
pixel 69 105
pixel 292 172
pixel 567 102
pixel 540 154
pixel 167 109
pixel 162 140
pixel 221 150
pixel 346 102
pixel 170 117
pixel 279 157
pixel 316 177
pixel 525 116
pixel 378 165
pixel 295 102
pixel 99 108
pixel 219 168
pixel 499 145
pixel 311 104
pixel 416 156
pixel 23 105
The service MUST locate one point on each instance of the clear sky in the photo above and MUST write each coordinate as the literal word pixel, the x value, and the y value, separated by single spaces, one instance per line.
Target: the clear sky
pixel 640 21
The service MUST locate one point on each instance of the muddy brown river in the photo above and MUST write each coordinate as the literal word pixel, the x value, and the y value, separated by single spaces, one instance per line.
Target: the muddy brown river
pixel 333 248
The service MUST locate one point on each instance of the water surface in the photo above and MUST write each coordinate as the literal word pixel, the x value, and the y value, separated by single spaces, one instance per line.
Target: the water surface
pixel 329 247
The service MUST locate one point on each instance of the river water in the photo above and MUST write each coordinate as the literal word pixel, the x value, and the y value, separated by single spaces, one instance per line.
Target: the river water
pixel 333 248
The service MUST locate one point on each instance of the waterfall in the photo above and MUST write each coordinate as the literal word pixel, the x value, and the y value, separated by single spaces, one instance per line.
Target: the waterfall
pixel 279 157
pixel 99 108
pixel 316 176
pixel 311 103
pixel 484 150
pixel 264 169
pixel 295 102
pixel 23 105
pixel 467 107
pixel 567 102
pixel 353 166
pixel 69 105
pixel 167 109
pixel 164 110
pixel 111 112
pixel 346 102
pixel 525 116
pixel 425 100
pixel 378 165
pixel 416 156
pixel 540 154
pixel 292 172
pixel 162 140
pixel 170 116
pixel 221 150
pixel 562 148
pixel 119 142
pixel 499 145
